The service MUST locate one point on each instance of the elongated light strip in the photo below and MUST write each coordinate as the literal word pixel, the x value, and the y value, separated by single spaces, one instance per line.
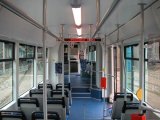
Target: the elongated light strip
pixel 77 15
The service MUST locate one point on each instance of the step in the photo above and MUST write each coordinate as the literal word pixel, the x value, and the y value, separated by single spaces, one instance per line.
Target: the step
pixel 81 95
pixel 80 89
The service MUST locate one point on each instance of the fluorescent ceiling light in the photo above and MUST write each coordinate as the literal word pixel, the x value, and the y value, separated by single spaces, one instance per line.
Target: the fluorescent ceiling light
pixel 77 15
pixel 79 31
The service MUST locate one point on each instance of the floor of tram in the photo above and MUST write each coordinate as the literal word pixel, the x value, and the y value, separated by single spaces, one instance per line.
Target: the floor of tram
pixel 88 109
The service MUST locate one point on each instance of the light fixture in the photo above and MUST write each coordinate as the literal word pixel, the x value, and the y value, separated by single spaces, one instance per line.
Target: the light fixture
pixel 77 15
pixel 79 31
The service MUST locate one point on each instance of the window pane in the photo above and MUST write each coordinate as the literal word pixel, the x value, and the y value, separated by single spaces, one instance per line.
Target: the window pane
pixel 30 52
pixel 135 75
pixel 6 83
pixel 129 74
pixel 26 51
pixel 128 52
pixel 6 50
pixel 136 51
pixel 152 84
pixel 40 52
pixel 25 75
pixel 39 71
pixel 22 51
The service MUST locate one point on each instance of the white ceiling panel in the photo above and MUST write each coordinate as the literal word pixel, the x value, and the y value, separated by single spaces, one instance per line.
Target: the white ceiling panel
pixel 32 8
pixel 122 14
pixel 60 12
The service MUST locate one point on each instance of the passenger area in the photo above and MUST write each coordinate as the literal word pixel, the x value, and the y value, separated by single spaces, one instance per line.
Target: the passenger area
pixel 30 108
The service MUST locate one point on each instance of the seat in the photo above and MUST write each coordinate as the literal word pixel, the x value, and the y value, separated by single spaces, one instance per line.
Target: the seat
pixel 57 105
pixel 49 88
pixel 118 104
pixel 68 88
pixel 12 115
pixel 28 105
pixel 128 109
pixel 37 93
pixel 58 94
pixel 51 116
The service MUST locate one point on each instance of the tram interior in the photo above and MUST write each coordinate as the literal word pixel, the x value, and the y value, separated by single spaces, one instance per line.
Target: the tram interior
pixel 54 55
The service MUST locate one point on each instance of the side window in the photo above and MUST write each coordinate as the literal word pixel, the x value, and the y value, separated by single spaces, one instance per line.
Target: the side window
pixel 26 65
pixel 6 72
pixel 132 67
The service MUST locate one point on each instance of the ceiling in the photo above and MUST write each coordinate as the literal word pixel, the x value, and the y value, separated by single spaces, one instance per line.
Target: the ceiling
pixel 60 12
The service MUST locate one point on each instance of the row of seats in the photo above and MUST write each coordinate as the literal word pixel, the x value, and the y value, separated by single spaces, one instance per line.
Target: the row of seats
pixel 55 103
pixel 19 115
pixel 122 109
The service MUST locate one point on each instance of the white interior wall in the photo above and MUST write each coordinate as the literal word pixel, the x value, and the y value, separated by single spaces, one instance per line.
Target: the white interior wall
pixel 53 58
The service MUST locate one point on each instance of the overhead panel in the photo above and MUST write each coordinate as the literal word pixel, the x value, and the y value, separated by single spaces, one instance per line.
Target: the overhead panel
pixel 17 29
pixel 122 14
pixel 32 8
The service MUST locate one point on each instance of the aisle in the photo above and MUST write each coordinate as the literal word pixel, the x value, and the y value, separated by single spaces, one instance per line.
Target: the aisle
pixel 87 109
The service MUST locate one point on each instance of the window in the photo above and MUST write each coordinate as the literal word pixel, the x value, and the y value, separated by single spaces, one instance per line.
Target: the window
pixel 26 64
pixel 92 53
pixel 132 67
pixel 40 64
pixel 6 72
pixel 152 74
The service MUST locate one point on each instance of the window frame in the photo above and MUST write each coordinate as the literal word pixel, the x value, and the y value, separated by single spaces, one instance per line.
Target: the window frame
pixel 10 60
pixel 28 58
pixel 132 62
pixel 27 52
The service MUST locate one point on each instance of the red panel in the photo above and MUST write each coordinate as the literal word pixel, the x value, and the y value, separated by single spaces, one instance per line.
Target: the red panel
pixel 103 83
pixel 138 117
pixel 81 39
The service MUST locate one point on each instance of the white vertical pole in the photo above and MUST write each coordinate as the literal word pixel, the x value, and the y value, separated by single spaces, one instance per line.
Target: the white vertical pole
pixel 105 62
pixel 16 72
pixel 141 52
pixel 44 60
pixel 35 68
pixel 91 69
pixel 62 61
pixel 69 66
pixel 123 71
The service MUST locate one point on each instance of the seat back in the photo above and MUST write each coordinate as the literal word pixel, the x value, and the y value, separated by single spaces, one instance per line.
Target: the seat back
pixel 118 104
pixel 68 88
pixel 40 116
pixel 12 115
pixel 37 93
pixel 49 88
pixel 28 105
pixel 57 105
pixel 128 109
pixel 58 94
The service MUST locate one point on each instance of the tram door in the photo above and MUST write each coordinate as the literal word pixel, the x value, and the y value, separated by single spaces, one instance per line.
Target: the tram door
pixel 73 59
pixel 116 52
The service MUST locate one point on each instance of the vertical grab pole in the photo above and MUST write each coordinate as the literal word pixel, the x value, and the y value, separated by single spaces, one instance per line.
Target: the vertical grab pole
pixel 44 60
pixel 141 52
pixel 62 28
pixel 69 66
pixel 105 50
pixel 115 74
pixel 91 66
pixel 124 71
